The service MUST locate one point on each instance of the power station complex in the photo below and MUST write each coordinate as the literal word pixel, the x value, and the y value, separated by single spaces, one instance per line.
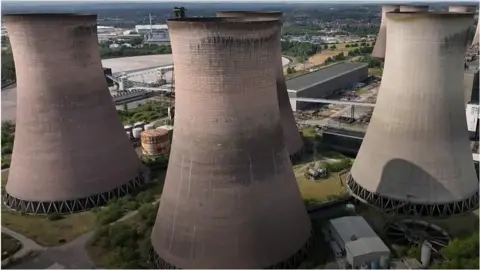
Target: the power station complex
pixel 230 198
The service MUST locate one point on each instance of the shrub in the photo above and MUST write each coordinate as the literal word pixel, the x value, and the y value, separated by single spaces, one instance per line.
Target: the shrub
pixel 54 216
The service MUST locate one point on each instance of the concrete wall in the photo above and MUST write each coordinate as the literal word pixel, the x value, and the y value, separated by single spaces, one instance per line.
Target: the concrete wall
pixel 328 88
pixel 360 260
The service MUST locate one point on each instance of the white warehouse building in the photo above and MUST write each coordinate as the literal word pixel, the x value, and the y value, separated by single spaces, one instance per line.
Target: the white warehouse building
pixel 360 244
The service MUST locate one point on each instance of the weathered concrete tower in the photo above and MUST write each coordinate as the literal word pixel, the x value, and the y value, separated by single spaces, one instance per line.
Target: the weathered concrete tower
pixel 293 139
pixel 415 158
pixel 380 43
pixel 70 151
pixel 466 9
pixel 230 198
pixel 413 8
pixel 461 9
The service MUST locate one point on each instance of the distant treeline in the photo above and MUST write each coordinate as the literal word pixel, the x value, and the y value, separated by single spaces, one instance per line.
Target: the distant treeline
pixel 300 50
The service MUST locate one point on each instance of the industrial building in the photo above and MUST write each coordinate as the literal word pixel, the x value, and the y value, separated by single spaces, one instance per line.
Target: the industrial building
pixel 342 140
pixel 359 243
pixel 325 82
pixel 380 43
pixel 473 115
pixel 70 152
pixel 293 139
pixel 217 208
pixel 154 34
pixel 415 145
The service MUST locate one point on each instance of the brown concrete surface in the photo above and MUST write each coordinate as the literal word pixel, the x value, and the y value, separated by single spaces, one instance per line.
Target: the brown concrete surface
pixel 380 43
pixel 416 147
pixel 69 142
pixel 293 140
pixel 230 198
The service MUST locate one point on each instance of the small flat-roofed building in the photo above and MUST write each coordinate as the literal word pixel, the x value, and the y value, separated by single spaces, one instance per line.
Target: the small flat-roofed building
pixel 358 240
pixel 325 82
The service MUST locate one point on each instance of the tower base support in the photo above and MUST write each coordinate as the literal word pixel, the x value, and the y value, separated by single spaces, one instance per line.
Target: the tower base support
pixel 403 207
pixel 291 263
pixel 76 205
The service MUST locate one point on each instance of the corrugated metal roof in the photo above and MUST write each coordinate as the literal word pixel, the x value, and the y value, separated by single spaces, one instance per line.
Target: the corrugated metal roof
pixel 352 227
pixel 305 81
pixel 366 245
pixel 153 27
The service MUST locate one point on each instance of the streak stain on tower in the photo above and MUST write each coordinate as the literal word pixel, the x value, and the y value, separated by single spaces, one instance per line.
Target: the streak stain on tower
pixel 293 140
pixel 415 158
pixel 230 198
pixel 413 8
pixel 380 43
pixel 70 151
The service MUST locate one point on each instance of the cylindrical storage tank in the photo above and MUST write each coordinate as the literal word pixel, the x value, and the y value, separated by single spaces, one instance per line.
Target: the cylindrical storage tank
pixel 413 8
pixel 416 151
pixel 136 132
pixel 58 164
pixel 380 43
pixel 426 254
pixel 217 208
pixel 149 126
pixel 293 140
pixel 155 143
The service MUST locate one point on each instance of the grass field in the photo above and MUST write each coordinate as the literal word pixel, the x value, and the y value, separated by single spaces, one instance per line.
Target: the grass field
pixel 49 232
pixel 10 245
pixel 320 190
pixel 44 231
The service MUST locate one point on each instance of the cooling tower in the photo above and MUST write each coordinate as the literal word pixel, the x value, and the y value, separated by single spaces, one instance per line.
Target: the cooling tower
pixel 293 139
pixel 380 43
pixel 476 38
pixel 70 152
pixel 230 198
pixel 461 9
pixel 413 8
pixel 415 158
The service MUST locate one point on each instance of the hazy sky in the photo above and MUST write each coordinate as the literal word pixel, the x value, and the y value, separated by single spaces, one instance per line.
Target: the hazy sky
pixel 291 1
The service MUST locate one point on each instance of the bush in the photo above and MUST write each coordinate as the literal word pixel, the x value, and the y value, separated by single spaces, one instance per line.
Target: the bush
pixel 148 213
pixel 339 166
pixel 54 216
pixel 109 214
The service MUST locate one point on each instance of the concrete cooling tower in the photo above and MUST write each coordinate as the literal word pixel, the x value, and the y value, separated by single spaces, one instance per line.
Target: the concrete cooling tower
pixel 476 38
pixel 466 9
pixel 380 43
pixel 293 139
pixel 461 9
pixel 413 8
pixel 415 158
pixel 70 151
pixel 230 198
